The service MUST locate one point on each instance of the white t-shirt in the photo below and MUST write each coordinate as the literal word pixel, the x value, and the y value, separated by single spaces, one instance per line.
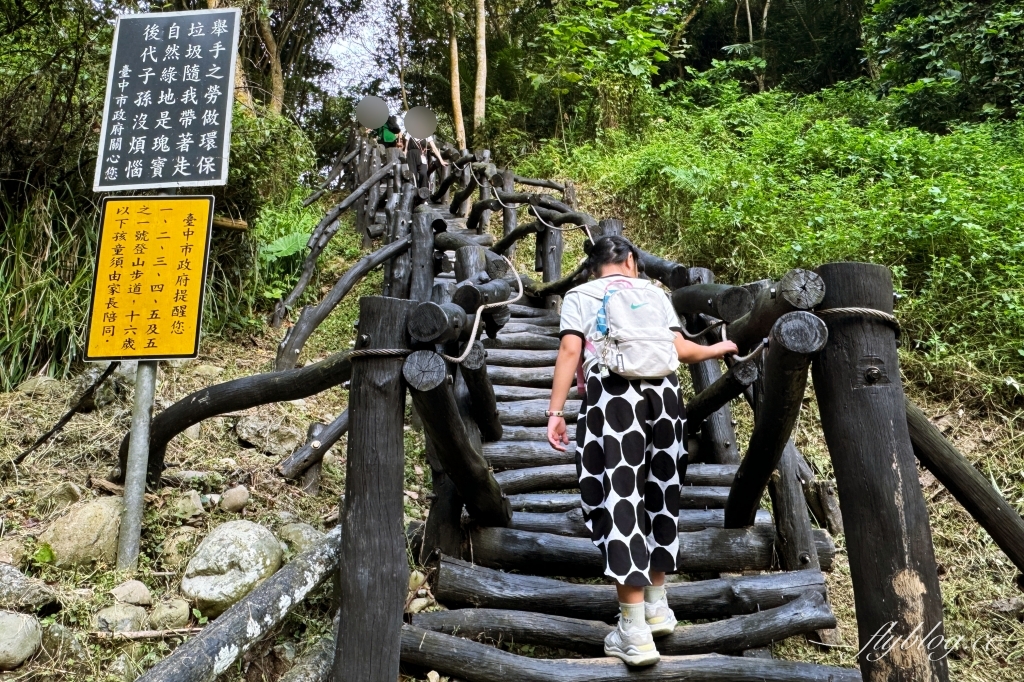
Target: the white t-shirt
pixel 581 304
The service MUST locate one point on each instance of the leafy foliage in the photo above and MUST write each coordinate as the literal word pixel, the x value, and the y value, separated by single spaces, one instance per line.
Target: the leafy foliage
pixel 949 60
pixel 760 184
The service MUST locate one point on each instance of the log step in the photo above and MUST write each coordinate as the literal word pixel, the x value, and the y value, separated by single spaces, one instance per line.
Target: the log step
pixel 537 377
pixel 517 454
pixel 520 310
pixel 527 328
pixel 533 433
pixel 690 497
pixel 460 583
pixel 522 358
pixel 523 341
pixel 710 550
pixel 531 412
pixel 563 476
pixel 571 523
pixel 475 662
pixel 506 393
pixel 805 614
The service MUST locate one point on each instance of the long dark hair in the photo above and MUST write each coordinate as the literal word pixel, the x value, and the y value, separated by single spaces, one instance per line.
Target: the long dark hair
pixel 612 249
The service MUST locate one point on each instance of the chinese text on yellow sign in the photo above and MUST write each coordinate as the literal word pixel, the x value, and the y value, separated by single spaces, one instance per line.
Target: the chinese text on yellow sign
pixel 147 298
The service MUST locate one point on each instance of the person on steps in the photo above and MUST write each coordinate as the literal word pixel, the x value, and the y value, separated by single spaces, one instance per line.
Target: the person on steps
pixel 630 456
pixel 417 152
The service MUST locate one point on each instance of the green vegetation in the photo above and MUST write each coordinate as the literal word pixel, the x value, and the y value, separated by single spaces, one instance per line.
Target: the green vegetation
pixel 751 186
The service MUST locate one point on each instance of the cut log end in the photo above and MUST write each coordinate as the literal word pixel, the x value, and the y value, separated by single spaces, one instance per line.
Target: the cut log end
pixel 425 370
pixel 803 289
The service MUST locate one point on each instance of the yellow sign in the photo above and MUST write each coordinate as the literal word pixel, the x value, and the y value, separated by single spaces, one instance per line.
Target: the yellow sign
pixel 147 295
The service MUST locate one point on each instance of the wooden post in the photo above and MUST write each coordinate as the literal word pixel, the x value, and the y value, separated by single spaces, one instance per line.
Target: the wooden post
pixel 509 216
pixel 554 246
pixel 609 227
pixel 968 485
pixel 427 374
pixel 310 481
pixel 794 537
pixel 717 436
pixel 485 194
pixel 482 404
pixel 374 568
pixel 892 561
pixel 421 255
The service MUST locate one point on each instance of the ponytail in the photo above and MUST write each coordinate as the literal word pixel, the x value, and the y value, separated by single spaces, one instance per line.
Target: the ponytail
pixel 609 250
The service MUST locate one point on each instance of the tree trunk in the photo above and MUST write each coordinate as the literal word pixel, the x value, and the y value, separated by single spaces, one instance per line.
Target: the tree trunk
pixel 453 52
pixel 480 95
pixel 276 103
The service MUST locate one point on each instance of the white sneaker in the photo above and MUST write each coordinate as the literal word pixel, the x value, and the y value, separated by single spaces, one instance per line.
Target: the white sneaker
pixel 635 648
pixel 660 617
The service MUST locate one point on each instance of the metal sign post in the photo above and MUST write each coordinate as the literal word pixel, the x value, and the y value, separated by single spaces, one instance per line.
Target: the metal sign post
pixel 166 124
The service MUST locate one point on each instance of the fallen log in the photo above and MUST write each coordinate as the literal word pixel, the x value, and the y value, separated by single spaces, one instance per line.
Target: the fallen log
pixel 968 485
pixel 313 451
pixel 570 523
pixel 805 614
pixel 234 395
pixel 221 642
pixel 312 316
pixel 427 375
pixel 460 583
pixel 530 412
pixel 794 338
pixel 482 405
pixel 797 290
pixel 475 662
pixel 720 301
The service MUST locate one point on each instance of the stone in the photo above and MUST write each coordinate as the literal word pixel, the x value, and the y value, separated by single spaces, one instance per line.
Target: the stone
pixel 233 559
pixel 86 534
pixel 59 643
pixel 193 432
pixel 121 618
pixel 105 394
pixel 12 551
pixel 126 371
pixel 177 547
pixel 39 387
pixel 211 501
pixel 196 480
pixel 208 371
pixel 132 592
pixel 1011 608
pixel 168 615
pixel 64 495
pixel 299 536
pixel 22 593
pixel 188 506
pixel 20 637
pixel 418 604
pixel 269 436
pixel 330 459
pixel 234 499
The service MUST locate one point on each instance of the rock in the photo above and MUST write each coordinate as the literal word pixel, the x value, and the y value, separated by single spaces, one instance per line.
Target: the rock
pixel 106 393
pixel 418 604
pixel 59 643
pixel 119 668
pixel 64 495
pixel 168 615
pixel 234 558
pixel 86 534
pixel 299 536
pixel 193 432
pixel 20 637
pixel 235 499
pixel 39 387
pixel 416 580
pixel 330 459
pixel 1011 608
pixel 268 436
pixel 121 618
pixel 285 516
pixel 208 371
pixel 22 593
pixel 12 551
pixel 211 501
pixel 197 480
pixel 132 592
pixel 177 547
pixel 126 371
pixel 188 506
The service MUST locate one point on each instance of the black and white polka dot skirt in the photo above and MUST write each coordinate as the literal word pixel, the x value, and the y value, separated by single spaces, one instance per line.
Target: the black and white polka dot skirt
pixel 631 461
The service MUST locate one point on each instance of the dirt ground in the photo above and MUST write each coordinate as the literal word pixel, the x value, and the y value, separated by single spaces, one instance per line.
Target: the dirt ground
pixel 983 605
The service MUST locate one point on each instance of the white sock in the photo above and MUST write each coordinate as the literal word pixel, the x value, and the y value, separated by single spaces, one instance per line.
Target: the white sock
pixel 632 616
pixel 654 593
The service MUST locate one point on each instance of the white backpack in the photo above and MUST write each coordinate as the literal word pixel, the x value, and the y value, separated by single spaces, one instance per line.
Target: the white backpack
pixel 637 343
